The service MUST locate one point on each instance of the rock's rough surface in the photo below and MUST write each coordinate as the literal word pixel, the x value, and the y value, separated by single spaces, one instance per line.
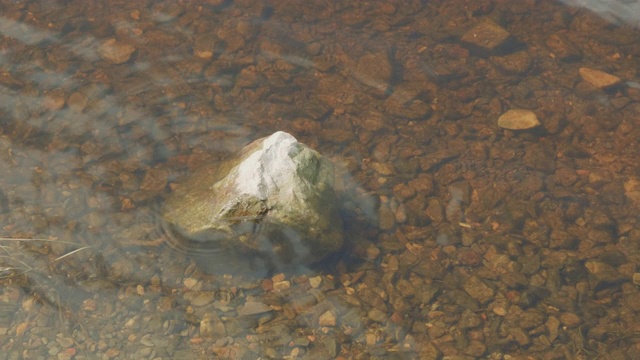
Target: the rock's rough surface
pixel 275 200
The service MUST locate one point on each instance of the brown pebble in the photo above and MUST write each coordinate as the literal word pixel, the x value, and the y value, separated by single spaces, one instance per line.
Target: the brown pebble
pixel 281 285
pixel 377 315
pixel 328 318
pixel 599 79
pixel 570 320
pixel 115 52
pixel 253 308
pixel 203 299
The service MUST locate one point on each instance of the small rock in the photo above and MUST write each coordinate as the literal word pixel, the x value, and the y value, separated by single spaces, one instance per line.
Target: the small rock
pixel 486 35
pixel 203 299
pixel 253 308
pixel 328 318
pixel 562 48
pixel 570 320
pixel 516 63
pixel 315 281
pixel 540 157
pixel 478 290
pixel 78 101
pixel 632 190
pixel 204 45
pixel 599 79
pixel 518 119
pixel 54 100
pixel 500 311
pixel 115 52
pixel 191 283
pixel 212 326
pixel 636 278
pixel 476 349
pixel 281 285
pixel 377 315
pixel 154 180
pixel 374 70
pixel 372 252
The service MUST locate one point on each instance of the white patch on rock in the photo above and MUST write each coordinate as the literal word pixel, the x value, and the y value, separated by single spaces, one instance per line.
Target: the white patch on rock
pixel 277 197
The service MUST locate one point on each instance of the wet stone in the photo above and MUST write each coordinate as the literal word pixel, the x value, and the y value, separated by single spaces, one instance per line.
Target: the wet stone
pixel 374 70
pixel 204 45
pixel 77 101
pixel 115 52
pixel 599 79
pixel 203 299
pixel 516 63
pixel 563 48
pixel 486 35
pixel 518 119
pixel 377 315
pixel 478 290
pixel 328 318
pixel 54 100
pixel 540 157
pixel 253 308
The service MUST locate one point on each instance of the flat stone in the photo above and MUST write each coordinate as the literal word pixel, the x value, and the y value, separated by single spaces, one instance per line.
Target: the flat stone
pixel 253 308
pixel 599 79
pixel 518 119
pixel 203 299
pixel 374 70
pixel 486 35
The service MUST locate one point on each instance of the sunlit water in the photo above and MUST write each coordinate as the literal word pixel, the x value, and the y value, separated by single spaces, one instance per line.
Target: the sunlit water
pixel 458 232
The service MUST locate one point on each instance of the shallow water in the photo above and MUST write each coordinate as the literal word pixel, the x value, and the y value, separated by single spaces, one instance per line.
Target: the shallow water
pixel 465 240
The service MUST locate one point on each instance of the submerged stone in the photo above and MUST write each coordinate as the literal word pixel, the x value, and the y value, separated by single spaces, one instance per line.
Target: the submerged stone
pixel 276 201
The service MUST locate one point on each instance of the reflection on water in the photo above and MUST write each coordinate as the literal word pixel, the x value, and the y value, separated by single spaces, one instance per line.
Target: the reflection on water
pixel 465 239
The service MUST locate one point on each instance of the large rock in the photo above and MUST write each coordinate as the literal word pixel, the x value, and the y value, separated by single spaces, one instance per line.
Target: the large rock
pixel 275 201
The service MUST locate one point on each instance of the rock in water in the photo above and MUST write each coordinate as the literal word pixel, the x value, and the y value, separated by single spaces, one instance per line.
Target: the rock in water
pixel 276 200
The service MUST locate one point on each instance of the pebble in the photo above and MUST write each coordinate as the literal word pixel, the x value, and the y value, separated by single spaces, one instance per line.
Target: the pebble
pixel 212 326
pixel 486 35
pixel 632 190
pixel 478 290
pixel 115 52
pixel 518 119
pixel 372 252
pixel 328 318
pixel 54 100
pixel 315 281
pixel 374 70
pixel 599 79
pixel 203 299
pixel 204 45
pixel 377 315
pixel 281 285
pixel 570 320
pixel 77 101
pixel 253 308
